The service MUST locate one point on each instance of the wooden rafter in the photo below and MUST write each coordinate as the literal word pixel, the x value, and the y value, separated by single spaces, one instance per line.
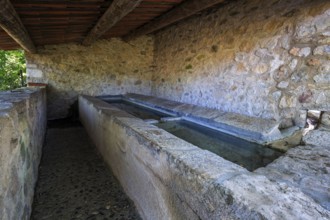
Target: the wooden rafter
pixel 12 24
pixel 184 10
pixel 116 11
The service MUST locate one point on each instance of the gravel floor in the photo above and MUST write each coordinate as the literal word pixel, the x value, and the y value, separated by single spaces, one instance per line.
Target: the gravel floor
pixel 74 182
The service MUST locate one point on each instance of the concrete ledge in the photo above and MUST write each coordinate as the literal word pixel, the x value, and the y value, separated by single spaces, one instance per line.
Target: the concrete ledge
pixel 168 178
pixel 250 128
pixel 22 129
pixel 305 168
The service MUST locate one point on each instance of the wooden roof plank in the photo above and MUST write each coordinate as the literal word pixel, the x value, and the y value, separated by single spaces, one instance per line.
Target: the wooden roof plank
pixel 11 23
pixel 182 11
pixel 116 11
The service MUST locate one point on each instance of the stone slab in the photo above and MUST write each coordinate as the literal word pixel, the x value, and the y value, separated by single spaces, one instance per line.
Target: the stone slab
pixel 22 129
pixel 317 138
pixel 251 128
pixel 168 178
pixel 306 168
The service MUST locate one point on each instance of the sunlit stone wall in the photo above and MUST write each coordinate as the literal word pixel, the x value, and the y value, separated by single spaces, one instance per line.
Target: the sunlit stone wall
pixel 260 58
pixel 107 67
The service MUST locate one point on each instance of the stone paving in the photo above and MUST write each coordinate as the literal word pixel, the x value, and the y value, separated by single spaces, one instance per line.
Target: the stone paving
pixel 74 182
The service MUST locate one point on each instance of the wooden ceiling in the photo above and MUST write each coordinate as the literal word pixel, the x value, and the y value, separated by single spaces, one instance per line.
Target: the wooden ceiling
pixel 83 21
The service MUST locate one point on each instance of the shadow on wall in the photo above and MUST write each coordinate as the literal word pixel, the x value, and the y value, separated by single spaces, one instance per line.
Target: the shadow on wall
pixel 106 67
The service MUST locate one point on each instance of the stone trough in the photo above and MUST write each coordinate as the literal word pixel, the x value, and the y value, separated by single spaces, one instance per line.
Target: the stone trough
pixel 169 178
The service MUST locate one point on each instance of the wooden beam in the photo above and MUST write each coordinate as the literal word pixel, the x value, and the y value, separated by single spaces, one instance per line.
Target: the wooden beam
pixel 182 11
pixel 116 11
pixel 12 24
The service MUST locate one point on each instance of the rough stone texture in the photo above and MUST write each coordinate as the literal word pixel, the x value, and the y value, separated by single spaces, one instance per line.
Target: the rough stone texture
pixel 106 67
pixel 305 167
pixel 250 128
pixel 317 138
pixel 168 178
pixel 268 59
pixel 22 129
pixel 325 119
pixel 74 182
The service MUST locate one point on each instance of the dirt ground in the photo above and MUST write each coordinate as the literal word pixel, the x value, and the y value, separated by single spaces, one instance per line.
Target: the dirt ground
pixel 74 182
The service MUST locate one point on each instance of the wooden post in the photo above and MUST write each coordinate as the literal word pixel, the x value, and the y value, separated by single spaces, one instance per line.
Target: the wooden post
pixel 12 24
pixel 116 11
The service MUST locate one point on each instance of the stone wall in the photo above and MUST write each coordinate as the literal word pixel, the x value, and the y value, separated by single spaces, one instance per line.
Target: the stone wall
pixel 168 178
pixel 260 58
pixel 267 59
pixel 106 67
pixel 22 129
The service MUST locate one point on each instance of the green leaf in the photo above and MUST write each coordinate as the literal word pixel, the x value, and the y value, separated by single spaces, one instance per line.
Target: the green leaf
pixel 11 64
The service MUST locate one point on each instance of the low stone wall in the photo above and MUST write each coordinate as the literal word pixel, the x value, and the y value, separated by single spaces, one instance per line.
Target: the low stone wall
pixel 106 67
pixel 22 129
pixel 168 178
pixel 259 130
pixel 306 167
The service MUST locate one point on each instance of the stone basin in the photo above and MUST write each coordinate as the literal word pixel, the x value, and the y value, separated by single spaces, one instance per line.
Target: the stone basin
pixel 169 178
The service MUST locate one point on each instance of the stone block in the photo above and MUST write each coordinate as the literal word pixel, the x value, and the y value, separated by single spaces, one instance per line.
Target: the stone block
pixel 322 50
pixel 300 118
pixel 169 178
pixel 107 67
pixel 325 119
pixel 283 84
pixel 322 78
pixel 305 168
pixel 22 129
pixel 300 52
pixel 317 138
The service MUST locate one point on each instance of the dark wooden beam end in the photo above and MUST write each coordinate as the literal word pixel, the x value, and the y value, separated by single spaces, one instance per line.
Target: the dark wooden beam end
pixel 182 11
pixel 12 24
pixel 116 11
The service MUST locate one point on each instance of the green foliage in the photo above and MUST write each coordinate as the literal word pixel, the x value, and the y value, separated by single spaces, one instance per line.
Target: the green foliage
pixel 11 64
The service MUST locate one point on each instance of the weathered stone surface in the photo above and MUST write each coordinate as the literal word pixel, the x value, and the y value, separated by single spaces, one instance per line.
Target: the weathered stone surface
pixel 250 128
pixel 300 52
pixel 313 62
pixel 168 178
pixel 106 67
pixel 322 78
pixel 271 199
pixel 283 85
pixel 317 138
pixel 322 50
pixel 266 53
pixel 233 65
pixel 325 119
pixel 304 52
pixel 288 102
pixel 300 118
pixel 22 129
pixel 305 167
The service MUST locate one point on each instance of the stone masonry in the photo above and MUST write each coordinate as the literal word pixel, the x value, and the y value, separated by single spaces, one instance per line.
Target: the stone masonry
pixel 268 59
pixel 22 129
pixel 168 178
pixel 106 67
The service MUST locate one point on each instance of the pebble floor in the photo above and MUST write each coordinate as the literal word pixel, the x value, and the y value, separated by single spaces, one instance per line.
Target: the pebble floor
pixel 74 182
